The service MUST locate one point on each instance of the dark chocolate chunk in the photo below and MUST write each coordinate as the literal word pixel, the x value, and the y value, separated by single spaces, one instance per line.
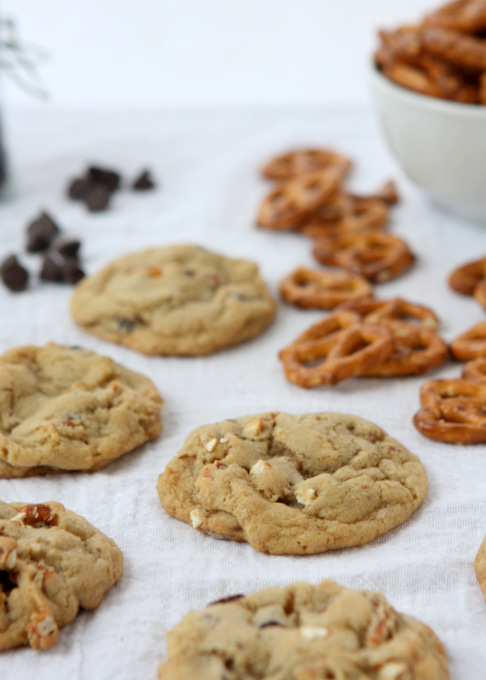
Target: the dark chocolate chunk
pixel 40 233
pixel 51 270
pixel 67 247
pixel 71 271
pixel 272 622
pixel 108 178
pixel 143 182
pixel 13 275
pixel 79 188
pixel 224 600
pixel 97 198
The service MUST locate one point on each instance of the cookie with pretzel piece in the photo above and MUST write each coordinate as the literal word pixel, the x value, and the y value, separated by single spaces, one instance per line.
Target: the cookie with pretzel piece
pixel 293 484
pixel 303 632
pixel 53 562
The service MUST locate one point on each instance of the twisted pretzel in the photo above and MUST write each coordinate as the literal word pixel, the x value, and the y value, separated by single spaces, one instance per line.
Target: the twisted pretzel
pixel 417 350
pixel 471 344
pixel 467 16
pixel 335 355
pixel 291 202
pixel 314 289
pixel 475 370
pixel 346 214
pixel 377 256
pixel 480 293
pixel 453 411
pixel 292 164
pixel 456 48
pixel 387 193
pixel 396 309
pixel 465 278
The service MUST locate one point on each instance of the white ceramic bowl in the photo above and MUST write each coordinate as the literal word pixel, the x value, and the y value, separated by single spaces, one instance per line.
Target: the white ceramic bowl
pixel 441 145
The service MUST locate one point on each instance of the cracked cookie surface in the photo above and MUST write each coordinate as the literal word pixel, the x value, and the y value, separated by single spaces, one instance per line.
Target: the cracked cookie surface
pixel 293 484
pixel 480 567
pixel 178 300
pixel 303 632
pixel 52 562
pixel 65 408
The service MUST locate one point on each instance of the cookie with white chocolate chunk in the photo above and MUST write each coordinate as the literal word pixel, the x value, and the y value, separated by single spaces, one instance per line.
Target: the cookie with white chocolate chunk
pixel 52 562
pixel 303 632
pixel 293 484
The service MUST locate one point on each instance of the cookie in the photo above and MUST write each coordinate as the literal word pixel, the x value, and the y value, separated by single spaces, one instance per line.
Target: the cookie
pixel 293 484
pixel 480 567
pixel 65 408
pixel 52 562
pixel 303 632
pixel 180 300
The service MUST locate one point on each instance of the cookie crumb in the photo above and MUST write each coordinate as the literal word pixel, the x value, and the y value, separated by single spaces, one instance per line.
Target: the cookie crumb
pixel 196 518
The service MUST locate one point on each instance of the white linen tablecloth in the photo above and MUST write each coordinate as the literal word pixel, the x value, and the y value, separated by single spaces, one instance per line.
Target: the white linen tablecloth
pixel 207 165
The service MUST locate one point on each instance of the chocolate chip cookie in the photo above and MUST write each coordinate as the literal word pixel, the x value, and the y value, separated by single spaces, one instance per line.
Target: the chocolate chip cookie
pixel 64 408
pixel 293 484
pixel 179 300
pixel 303 632
pixel 52 562
pixel 480 567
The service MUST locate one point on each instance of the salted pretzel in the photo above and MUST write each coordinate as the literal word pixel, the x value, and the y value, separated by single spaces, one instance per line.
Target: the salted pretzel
pixel 292 164
pixel 346 214
pixel 291 202
pixel 396 309
pixel 467 16
pixel 388 193
pixel 475 370
pixel 325 355
pixel 471 344
pixel 453 411
pixel 313 289
pixel 465 278
pixel 417 350
pixel 377 256
pixel 455 48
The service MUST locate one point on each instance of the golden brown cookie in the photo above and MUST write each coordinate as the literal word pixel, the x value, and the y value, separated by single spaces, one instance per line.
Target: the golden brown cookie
pixel 66 408
pixel 303 632
pixel 52 563
pixel 293 484
pixel 181 300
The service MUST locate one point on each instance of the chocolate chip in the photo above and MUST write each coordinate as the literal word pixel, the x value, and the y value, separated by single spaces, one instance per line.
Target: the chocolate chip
pixel 108 178
pixel 97 198
pixel 267 624
pixel 67 247
pixel 40 233
pixel 79 188
pixel 143 182
pixel 71 271
pixel 51 270
pixel 14 276
pixel 125 324
pixel 224 600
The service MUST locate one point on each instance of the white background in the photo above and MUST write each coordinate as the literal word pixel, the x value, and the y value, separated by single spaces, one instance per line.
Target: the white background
pixel 206 52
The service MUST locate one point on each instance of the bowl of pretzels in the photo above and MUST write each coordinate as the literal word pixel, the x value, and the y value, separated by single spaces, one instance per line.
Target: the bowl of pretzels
pixel 428 83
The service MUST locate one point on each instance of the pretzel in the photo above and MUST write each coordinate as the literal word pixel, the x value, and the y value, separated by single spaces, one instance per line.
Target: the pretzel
pixel 465 278
pixel 453 411
pixel 336 355
pixel 388 193
pixel 462 426
pixel 471 344
pixel 480 293
pixel 396 309
pixel 456 48
pixel 475 370
pixel 314 289
pixel 346 214
pixel 467 16
pixel 377 256
pixel 291 202
pixel 292 164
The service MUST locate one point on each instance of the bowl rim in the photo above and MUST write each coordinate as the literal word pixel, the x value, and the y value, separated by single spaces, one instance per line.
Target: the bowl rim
pixel 445 106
